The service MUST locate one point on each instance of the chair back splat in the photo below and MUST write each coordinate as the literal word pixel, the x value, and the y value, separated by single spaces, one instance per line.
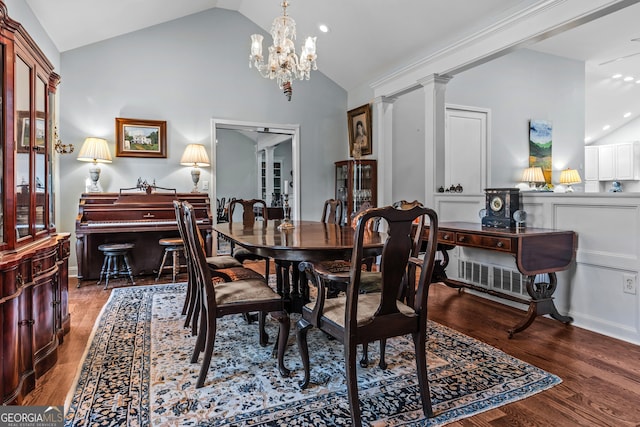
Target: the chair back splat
pixel 332 211
pixel 248 222
pixel 361 317
pixel 248 214
pixel 218 299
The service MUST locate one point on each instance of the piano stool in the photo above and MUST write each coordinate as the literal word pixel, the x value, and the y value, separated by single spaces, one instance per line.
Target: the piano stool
pixel 113 252
pixel 173 245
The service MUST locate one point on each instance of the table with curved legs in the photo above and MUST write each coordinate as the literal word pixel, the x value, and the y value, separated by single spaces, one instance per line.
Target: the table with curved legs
pixel 306 241
pixel 537 251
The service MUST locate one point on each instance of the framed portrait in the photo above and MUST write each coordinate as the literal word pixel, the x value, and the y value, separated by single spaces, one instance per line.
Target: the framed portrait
pixel 141 138
pixel 359 121
pixel 24 131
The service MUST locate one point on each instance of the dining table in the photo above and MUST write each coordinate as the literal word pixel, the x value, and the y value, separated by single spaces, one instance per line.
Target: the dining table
pixel 312 241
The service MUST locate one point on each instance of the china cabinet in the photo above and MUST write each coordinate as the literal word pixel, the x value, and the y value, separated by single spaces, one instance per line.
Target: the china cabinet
pixel 34 314
pixel 356 183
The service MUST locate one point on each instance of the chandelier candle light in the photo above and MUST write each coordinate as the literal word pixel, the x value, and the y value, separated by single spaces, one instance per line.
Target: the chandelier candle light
pixel 283 63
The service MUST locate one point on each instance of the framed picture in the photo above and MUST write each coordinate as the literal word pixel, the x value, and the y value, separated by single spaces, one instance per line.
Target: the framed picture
pixel 540 145
pixel 141 138
pixel 359 120
pixel 24 128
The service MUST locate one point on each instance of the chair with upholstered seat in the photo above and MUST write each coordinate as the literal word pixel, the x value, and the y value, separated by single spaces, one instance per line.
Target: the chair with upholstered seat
pixel 223 268
pixel 220 299
pixel 358 318
pixel 248 221
pixel 332 211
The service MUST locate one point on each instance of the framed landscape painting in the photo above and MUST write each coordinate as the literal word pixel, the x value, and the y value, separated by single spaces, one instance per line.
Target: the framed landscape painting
pixel 141 138
pixel 540 143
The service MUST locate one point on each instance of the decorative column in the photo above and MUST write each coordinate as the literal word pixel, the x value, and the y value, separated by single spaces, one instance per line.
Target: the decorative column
pixel 434 132
pixel 383 143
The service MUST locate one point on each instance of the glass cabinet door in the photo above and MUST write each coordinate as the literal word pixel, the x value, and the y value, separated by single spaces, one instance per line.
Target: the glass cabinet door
pixel 342 184
pixel 2 148
pixel 40 153
pixel 23 148
pixel 51 140
pixel 362 190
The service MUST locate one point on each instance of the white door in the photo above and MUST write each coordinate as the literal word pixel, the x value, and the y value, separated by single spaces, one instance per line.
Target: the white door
pixel 465 153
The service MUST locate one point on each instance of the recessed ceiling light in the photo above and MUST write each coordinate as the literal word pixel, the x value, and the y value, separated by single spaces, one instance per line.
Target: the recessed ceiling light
pixel 616 76
pixel 324 28
pixel 627 115
pixel 638 81
pixel 628 79
pixel 607 127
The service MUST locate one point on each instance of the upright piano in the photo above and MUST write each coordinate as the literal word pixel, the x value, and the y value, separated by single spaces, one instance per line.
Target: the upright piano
pixel 140 218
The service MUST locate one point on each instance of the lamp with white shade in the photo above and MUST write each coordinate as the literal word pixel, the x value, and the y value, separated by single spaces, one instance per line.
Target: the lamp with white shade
pixel 195 155
pixel 94 150
pixel 569 177
pixel 533 176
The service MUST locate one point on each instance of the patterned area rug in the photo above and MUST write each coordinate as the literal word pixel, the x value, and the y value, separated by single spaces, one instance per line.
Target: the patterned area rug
pixel 136 372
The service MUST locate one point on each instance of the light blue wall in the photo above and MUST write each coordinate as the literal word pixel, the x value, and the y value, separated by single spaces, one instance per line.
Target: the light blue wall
pixel 517 87
pixel 520 86
pixel 186 72
pixel 236 169
pixel 19 11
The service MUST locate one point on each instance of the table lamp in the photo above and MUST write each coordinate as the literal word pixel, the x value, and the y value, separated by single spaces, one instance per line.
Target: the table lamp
pixel 569 177
pixel 94 150
pixel 195 155
pixel 533 175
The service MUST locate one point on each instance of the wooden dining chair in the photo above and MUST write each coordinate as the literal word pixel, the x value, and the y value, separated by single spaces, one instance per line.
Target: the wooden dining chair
pixel 220 299
pixel 332 211
pixel 358 318
pixel 223 268
pixel 248 221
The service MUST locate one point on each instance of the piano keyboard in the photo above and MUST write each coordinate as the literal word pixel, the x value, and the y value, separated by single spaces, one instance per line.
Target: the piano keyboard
pixel 143 222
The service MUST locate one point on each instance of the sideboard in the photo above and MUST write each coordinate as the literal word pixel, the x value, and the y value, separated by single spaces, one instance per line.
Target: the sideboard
pixel 34 313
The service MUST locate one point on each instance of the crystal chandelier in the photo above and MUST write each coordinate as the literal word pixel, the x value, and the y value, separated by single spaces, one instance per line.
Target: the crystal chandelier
pixel 283 64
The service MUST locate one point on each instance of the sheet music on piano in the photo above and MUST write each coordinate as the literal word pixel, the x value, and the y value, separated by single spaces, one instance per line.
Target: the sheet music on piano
pixel 134 217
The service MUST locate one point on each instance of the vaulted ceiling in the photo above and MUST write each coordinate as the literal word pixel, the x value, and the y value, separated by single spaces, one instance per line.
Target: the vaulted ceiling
pixel 370 38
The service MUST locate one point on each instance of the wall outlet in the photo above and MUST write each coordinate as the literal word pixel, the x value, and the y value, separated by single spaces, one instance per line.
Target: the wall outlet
pixel 205 185
pixel 629 284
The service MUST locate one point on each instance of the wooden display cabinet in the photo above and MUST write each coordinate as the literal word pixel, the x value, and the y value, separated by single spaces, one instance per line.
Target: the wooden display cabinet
pixel 356 183
pixel 34 313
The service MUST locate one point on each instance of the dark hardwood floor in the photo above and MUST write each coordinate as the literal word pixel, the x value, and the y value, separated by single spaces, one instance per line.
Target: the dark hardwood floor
pixel 601 375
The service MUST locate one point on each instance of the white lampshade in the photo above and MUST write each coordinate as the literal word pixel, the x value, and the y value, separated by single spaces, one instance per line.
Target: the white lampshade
pixel 95 150
pixel 195 155
pixel 570 176
pixel 533 174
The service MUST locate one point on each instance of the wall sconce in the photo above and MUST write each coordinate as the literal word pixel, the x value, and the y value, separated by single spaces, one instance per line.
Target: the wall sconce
pixel 195 155
pixel 533 176
pixel 94 150
pixel 59 146
pixel 569 177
